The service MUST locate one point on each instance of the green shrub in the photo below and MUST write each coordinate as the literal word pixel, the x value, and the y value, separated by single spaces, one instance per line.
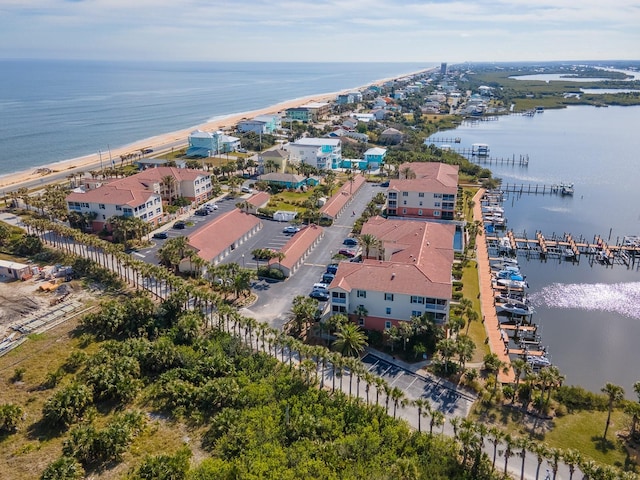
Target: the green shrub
pixel 10 415
pixel 65 468
pixel 577 398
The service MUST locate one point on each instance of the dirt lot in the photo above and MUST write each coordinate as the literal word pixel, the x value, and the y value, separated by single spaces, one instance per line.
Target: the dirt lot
pixel 20 299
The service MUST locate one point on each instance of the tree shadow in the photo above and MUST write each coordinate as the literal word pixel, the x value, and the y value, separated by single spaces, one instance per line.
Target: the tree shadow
pixel 603 444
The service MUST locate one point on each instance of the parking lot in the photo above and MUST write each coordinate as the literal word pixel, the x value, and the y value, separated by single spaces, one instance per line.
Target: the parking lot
pixel 447 400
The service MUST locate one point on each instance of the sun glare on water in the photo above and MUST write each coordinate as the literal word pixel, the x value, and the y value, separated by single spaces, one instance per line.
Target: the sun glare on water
pixel 622 298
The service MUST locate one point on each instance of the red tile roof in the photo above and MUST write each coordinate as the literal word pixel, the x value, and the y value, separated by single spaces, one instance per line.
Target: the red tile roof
pixel 214 237
pixel 259 199
pixel 335 204
pixel 430 177
pixel 112 194
pixel 298 245
pixel 419 253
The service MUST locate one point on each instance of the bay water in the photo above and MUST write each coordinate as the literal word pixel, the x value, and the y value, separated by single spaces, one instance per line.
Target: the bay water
pixel 589 313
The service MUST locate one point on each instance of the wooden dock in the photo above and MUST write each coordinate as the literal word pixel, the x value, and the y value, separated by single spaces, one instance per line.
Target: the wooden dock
pixel 531 189
pixel 521 351
pixel 570 248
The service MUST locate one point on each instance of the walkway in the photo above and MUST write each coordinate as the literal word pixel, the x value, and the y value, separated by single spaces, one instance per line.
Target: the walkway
pixel 487 298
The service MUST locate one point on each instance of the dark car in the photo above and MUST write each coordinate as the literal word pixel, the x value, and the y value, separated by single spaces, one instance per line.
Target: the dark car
pixel 347 252
pixel 180 225
pixel 328 277
pixel 384 184
pixel 319 295
pixel 147 150
pixel 203 212
pixel 332 268
pixel 350 242
pixel 161 235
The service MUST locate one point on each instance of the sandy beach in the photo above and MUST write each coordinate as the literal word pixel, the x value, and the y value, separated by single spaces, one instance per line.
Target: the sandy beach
pixel 176 139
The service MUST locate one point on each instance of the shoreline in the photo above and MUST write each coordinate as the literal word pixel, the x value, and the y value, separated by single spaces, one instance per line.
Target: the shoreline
pixel 177 138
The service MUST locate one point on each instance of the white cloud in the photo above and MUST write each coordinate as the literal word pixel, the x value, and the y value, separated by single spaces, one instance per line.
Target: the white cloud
pixel 401 30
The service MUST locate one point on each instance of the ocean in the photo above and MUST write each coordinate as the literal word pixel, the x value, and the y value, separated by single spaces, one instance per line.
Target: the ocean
pixel 55 110
pixel 589 314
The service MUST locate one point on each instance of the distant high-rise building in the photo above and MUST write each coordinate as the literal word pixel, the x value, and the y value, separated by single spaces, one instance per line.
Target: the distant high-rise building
pixel 443 69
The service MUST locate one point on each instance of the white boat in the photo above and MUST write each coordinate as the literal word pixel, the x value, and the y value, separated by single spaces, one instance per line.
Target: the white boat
pixel 568 253
pixel 510 274
pixel 509 283
pixel 538 361
pixel 505 244
pixel 492 209
pixel 495 219
pixel 480 149
pixel 505 261
pixel 566 188
pixel 512 297
pixel 515 308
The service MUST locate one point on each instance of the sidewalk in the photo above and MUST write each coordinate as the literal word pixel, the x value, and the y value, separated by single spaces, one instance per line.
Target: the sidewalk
pixel 487 300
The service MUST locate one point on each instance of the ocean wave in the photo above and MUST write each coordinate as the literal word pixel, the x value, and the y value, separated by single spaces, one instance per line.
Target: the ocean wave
pixel 621 298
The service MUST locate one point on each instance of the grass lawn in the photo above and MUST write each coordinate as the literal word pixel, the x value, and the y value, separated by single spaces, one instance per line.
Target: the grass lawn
pixel 583 431
pixel 471 290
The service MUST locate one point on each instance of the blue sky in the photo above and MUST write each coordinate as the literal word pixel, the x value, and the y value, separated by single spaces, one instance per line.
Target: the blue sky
pixel 321 30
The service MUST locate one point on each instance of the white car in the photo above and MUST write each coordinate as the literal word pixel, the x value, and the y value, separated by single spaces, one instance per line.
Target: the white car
pixel 211 206
pixel 291 229
pixel 247 190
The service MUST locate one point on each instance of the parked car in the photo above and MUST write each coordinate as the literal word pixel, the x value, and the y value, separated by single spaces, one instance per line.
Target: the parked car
pixel 202 212
pixel 242 150
pixel 319 295
pixel 211 206
pixel 350 242
pixel 347 252
pixel 161 235
pixel 322 286
pixel 246 190
pixel 328 277
pixel 180 225
pixel 332 268
pixel 290 229
pixel 384 184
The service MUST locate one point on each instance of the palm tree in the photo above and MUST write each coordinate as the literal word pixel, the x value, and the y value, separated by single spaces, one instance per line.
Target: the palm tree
pixel 571 459
pixel 519 366
pixel 554 459
pixel 496 438
pixel 424 407
pixel 368 241
pixel 380 383
pixel 615 393
pixel 437 420
pixel 397 395
pixel 541 452
pixel 509 444
pixel 350 340
pixel 168 183
pixel 523 444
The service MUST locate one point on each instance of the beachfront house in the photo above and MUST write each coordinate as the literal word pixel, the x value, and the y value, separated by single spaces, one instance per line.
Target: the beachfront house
pixel 209 144
pixel 424 190
pixel 310 112
pixel 262 124
pixel 408 275
pixel 322 153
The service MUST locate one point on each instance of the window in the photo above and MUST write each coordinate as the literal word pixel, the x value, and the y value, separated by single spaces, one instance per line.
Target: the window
pixel 338 309
pixel 416 299
pixel 118 208
pixel 436 204
pixel 361 294
pixel 361 322
pixel 393 195
pixel 404 202
pixel 420 203
pixel 388 297
pixel 436 213
pixel 421 194
pixel 388 310
pixel 404 211
pixel 416 313
pixel 437 195
pixel 101 206
pixel 405 194
pixel 387 325
pixel 420 212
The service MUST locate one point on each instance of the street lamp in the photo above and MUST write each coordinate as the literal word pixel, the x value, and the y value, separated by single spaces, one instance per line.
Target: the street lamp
pixel 243 260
